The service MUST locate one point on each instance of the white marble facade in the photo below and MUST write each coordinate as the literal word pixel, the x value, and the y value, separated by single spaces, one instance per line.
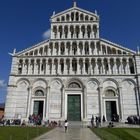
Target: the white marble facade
pixel 74 61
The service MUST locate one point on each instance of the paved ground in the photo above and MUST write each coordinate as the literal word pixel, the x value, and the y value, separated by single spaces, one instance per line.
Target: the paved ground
pixel 72 134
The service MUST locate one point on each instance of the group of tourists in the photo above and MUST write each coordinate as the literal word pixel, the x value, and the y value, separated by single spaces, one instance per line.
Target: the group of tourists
pixel 133 119
pixel 35 119
pixel 9 122
pixel 97 122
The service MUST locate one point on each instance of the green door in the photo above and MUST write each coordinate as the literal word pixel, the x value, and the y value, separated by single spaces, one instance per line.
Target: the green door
pixel 38 108
pixel 110 110
pixel 74 108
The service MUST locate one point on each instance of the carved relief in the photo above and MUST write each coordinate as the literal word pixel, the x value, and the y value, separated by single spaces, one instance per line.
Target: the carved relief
pixel 56 85
pixel 39 93
pixel 22 85
pixel 92 85
pixel 40 84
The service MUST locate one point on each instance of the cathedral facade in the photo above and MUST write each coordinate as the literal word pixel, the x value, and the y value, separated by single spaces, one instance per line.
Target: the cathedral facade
pixel 75 74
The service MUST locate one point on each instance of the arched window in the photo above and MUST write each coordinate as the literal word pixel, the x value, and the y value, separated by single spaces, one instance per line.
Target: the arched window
pixel 58 19
pixel 81 17
pixel 86 18
pixel 74 85
pixel 67 17
pixel 62 18
pixel 77 16
pixel 39 93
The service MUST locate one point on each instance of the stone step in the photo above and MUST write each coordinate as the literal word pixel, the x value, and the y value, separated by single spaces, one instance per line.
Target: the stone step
pixel 76 124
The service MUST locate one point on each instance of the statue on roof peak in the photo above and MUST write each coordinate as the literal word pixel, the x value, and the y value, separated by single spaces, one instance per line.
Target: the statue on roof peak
pixel 74 3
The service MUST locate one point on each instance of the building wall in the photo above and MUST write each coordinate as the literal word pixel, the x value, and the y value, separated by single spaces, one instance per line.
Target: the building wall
pixel 56 91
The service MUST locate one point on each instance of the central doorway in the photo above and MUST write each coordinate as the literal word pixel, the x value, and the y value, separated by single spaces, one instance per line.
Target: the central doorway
pixel 111 110
pixel 38 108
pixel 74 108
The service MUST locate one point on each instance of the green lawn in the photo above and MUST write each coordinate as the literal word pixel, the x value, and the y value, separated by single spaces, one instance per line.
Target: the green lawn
pixel 21 133
pixel 117 133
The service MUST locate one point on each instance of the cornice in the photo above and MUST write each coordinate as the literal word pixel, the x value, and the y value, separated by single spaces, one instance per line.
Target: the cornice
pixel 34 46
pixel 117 45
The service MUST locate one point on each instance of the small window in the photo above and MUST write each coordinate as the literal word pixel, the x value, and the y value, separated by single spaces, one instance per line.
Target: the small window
pixel 74 85
pixel 91 19
pixel 39 93
pixel 110 93
pixel 58 19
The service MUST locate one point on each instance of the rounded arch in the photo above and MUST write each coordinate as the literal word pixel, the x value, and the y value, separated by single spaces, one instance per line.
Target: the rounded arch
pixel 74 80
pixel 40 79
pixel 110 92
pixel 128 79
pixel 112 80
pixel 94 79
pixel 39 89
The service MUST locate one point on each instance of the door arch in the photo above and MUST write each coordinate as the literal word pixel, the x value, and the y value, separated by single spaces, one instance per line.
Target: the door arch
pixel 74 101
pixel 111 105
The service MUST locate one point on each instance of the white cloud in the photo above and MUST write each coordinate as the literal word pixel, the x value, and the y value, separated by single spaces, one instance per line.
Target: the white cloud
pixel 47 34
pixel 2 84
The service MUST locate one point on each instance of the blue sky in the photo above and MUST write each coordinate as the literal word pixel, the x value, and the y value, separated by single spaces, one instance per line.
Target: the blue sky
pixel 23 23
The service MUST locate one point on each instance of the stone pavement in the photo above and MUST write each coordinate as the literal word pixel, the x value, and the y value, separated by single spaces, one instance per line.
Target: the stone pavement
pixel 71 134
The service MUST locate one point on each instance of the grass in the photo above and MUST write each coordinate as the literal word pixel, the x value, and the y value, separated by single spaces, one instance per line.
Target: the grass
pixel 117 133
pixel 21 133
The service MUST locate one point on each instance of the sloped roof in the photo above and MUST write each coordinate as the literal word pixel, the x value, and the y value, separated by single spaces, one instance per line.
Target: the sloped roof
pixel 117 45
pixel 32 47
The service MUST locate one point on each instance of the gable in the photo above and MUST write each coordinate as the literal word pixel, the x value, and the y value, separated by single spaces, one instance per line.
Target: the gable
pixel 77 13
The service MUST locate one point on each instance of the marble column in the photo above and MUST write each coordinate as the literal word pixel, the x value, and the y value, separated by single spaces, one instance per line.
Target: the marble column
pixel 109 66
pixel 59 68
pixel 101 102
pixel 53 67
pixel 115 67
pixel 127 67
pixel 121 103
pixel 29 101
pixel 137 99
pixel 78 66
pixel 65 67
pixel 47 67
pixel 48 103
pixel 96 67
pixel 90 66
pixel 35 68
pixel 63 102
pixel 85 103
pixel 83 66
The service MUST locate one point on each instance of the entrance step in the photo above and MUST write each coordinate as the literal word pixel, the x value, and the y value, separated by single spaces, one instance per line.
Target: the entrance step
pixel 76 124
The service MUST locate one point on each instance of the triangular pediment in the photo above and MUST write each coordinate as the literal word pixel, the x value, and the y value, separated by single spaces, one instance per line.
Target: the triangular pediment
pixel 92 16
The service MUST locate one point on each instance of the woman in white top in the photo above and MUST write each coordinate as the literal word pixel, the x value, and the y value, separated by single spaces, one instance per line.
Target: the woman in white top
pixel 66 125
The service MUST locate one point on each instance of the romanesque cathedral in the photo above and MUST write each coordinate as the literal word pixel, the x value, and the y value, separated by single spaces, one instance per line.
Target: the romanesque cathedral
pixel 74 74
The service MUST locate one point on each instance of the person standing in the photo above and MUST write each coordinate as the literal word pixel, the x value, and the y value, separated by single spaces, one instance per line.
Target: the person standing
pixel 92 121
pixel 66 125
